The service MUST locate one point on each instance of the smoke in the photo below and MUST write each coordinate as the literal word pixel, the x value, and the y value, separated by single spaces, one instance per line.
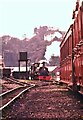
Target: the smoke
pixel 53 49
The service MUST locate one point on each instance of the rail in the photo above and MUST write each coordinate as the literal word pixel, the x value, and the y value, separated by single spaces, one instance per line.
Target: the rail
pixel 15 96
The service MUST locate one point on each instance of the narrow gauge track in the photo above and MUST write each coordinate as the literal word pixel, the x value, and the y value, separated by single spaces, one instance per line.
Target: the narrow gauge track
pixel 16 81
pixel 47 101
pixel 10 83
pixel 11 95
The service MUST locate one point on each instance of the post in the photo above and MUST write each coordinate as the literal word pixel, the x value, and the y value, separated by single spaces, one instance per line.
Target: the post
pixel 74 86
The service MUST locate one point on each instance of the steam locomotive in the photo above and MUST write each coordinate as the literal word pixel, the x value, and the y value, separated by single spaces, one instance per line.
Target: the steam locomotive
pixel 40 73
pixel 71 52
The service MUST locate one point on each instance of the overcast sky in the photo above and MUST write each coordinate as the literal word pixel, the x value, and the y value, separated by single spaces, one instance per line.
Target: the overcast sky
pixel 18 17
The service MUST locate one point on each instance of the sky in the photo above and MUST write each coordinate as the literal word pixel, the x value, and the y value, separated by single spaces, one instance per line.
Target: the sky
pixel 19 17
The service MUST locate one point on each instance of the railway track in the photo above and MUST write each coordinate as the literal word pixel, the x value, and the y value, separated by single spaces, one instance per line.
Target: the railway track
pixel 46 101
pixel 16 81
pixel 10 83
pixel 10 96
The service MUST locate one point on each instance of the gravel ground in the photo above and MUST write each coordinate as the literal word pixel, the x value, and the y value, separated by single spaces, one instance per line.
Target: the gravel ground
pixel 46 103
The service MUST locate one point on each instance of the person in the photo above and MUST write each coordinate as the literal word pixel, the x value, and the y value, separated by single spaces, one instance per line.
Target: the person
pixel 43 71
pixel 34 71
